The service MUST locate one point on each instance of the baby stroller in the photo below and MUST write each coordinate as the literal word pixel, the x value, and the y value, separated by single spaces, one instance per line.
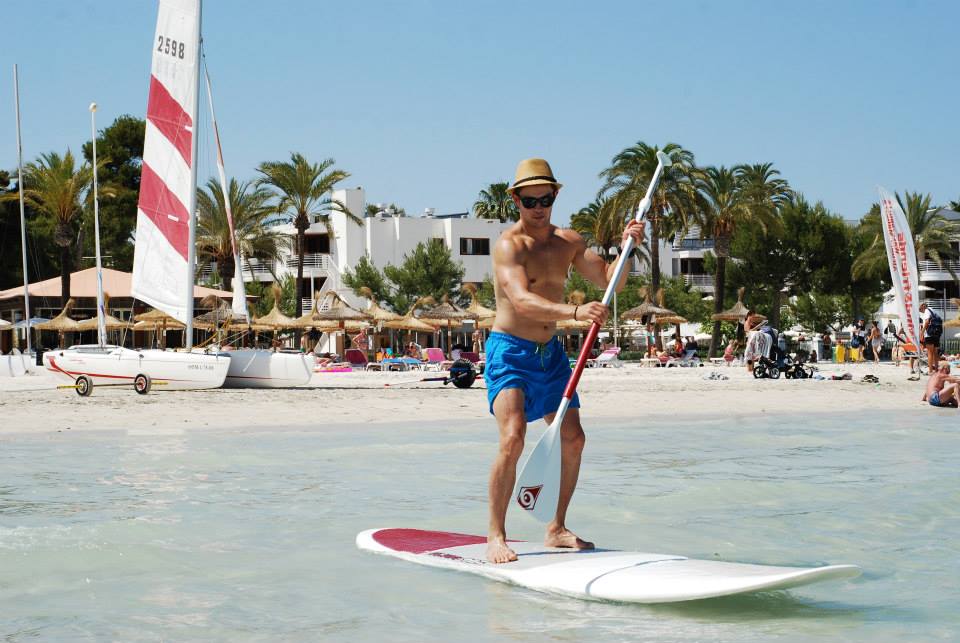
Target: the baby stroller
pixel 797 369
pixel 774 361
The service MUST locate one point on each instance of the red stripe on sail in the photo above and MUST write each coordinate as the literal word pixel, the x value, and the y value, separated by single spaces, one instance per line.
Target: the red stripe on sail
pixel 169 117
pixel 164 209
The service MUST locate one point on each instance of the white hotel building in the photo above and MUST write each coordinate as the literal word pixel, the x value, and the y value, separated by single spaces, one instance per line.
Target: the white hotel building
pixel 385 239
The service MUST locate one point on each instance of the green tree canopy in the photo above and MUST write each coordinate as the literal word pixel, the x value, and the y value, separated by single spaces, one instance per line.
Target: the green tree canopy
pixel 429 270
pixel 251 210
pixel 494 202
pixel 120 154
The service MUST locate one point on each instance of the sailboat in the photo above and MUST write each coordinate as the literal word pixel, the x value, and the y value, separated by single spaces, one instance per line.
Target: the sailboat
pixel 253 367
pixel 164 257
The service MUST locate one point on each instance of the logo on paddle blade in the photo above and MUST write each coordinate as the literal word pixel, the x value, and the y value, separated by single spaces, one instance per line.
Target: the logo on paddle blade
pixel 527 498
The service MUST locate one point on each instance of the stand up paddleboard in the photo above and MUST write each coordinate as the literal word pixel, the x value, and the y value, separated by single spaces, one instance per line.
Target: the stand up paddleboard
pixel 599 574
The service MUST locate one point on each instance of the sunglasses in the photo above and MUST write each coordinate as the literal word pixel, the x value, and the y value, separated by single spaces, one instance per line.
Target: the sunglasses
pixel 545 201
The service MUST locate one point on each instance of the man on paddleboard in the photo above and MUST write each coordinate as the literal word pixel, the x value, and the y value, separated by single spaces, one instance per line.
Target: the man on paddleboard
pixel 526 367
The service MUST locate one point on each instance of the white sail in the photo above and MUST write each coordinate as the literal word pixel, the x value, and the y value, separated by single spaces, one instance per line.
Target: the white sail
pixel 164 256
pixel 903 263
pixel 239 291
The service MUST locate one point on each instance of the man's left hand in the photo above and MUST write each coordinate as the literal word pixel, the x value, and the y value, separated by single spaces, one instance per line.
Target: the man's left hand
pixel 635 229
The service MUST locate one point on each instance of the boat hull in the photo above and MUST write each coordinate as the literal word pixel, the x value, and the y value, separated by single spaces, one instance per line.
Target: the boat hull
pixel 116 365
pixel 256 368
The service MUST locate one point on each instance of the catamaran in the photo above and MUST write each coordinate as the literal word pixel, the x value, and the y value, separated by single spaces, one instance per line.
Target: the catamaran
pixel 164 256
pixel 252 367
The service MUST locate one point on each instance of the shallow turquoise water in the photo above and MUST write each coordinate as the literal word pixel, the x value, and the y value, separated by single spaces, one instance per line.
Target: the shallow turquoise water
pixel 248 534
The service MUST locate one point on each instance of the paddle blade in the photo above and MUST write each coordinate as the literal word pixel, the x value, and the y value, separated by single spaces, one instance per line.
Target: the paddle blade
pixel 537 491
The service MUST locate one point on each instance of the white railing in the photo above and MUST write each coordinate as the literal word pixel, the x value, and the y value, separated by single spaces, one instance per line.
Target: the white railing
pixel 311 260
pixel 699 281
pixel 938 266
pixel 260 270
pixel 941 305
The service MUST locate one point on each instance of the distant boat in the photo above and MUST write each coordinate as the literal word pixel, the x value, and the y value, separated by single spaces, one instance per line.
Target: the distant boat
pixel 163 265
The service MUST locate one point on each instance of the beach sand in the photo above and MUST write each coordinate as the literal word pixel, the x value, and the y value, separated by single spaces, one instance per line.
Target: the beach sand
pixel 32 404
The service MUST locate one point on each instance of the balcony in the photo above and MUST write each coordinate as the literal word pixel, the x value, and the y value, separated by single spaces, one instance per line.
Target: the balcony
pixel 693 244
pixel 316 262
pixel 944 307
pixel 260 269
pixel 938 270
pixel 703 283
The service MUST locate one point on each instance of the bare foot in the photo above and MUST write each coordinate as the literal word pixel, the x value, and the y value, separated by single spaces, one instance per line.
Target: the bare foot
pixel 498 552
pixel 565 538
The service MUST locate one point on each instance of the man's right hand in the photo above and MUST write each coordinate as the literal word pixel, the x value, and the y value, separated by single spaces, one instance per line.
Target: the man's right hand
pixel 593 312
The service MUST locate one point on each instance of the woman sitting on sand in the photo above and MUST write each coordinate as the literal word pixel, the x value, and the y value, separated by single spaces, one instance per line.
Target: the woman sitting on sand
pixel 729 353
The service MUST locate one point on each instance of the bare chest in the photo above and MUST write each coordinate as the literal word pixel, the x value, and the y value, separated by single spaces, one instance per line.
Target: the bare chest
pixel 546 266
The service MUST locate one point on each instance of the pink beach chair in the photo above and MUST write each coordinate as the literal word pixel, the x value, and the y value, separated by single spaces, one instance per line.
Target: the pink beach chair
pixel 475 359
pixel 358 360
pixel 436 360
pixel 608 357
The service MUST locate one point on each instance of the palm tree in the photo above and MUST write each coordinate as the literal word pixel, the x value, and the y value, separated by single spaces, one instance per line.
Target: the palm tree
pixel 626 181
pixel 931 231
pixel 601 226
pixel 251 209
pixel 733 197
pixel 301 189
pixel 57 188
pixel 495 202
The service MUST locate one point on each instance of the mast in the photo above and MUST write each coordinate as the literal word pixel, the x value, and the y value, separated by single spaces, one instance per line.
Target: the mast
pixel 192 244
pixel 101 311
pixel 239 303
pixel 23 219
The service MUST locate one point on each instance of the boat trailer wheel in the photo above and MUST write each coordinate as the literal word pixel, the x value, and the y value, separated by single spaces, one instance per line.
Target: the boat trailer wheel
pixel 141 384
pixel 84 386
pixel 462 374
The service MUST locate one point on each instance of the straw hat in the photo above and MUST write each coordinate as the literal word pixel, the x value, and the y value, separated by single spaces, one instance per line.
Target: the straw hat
pixel 533 172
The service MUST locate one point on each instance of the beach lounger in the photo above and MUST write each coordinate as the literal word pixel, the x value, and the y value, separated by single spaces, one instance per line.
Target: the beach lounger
pixel 358 360
pixel 608 357
pixel 689 358
pixel 436 360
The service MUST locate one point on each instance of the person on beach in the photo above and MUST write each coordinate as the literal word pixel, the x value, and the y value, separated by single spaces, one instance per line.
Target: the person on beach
pixel 527 369
pixel 941 388
pixel 931 329
pixel 754 350
pixel 876 342
pixel 827 346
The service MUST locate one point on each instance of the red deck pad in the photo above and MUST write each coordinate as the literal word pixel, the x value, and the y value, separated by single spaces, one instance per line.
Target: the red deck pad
pixel 418 541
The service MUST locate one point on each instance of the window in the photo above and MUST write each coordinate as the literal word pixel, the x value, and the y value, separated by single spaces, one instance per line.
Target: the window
pixel 316 244
pixel 474 246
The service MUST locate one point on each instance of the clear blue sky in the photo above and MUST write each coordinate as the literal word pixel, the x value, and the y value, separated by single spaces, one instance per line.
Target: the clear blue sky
pixel 425 103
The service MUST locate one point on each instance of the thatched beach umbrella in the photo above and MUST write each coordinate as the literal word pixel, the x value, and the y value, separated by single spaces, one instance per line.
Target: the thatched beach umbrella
pixel 159 321
pixel 410 323
pixel 62 323
pixel 274 320
pixel 338 313
pixel 647 308
pixel 480 311
pixel 375 313
pixel 666 320
pixel 448 315
pixel 736 313
pixel 109 321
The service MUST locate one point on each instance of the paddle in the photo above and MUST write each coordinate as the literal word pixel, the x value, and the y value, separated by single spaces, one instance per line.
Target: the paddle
pixel 538 486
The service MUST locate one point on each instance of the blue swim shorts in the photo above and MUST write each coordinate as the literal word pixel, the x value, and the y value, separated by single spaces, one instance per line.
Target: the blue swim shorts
pixel 934 398
pixel 540 370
